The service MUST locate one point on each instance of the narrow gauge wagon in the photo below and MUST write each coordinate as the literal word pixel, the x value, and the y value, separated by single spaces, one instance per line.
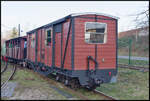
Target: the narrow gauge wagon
pixel 15 50
pixel 79 48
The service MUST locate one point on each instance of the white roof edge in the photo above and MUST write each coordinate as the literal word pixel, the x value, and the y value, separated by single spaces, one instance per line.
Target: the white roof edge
pixel 77 14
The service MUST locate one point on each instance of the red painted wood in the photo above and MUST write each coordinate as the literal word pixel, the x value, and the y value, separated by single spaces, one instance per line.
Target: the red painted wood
pixel 12 52
pixel 58 50
pixel 106 51
pixel 38 45
pixel 48 49
pixel 43 46
pixel 67 64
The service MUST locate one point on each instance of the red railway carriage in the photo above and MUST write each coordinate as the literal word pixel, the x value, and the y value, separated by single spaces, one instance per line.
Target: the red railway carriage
pixel 81 46
pixel 15 50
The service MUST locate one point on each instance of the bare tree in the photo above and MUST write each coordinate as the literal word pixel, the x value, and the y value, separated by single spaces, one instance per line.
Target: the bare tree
pixel 142 19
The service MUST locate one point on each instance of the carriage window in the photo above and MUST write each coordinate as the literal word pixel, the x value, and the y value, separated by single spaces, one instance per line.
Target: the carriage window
pixel 48 39
pixel 95 32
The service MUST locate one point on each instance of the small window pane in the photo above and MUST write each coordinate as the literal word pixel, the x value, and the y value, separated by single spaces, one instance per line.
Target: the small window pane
pixel 48 37
pixel 49 33
pixel 48 40
pixel 95 32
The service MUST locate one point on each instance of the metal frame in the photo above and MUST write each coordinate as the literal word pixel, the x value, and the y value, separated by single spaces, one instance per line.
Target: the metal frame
pixel 78 73
pixel 104 33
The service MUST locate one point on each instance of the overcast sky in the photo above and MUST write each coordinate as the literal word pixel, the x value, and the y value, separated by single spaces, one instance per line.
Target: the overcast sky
pixel 32 14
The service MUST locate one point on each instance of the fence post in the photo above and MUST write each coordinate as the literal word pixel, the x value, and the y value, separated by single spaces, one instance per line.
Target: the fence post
pixel 130 46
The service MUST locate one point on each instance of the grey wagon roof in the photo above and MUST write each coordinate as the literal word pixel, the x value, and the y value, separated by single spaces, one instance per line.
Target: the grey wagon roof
pixel 86 13
pixel 71 15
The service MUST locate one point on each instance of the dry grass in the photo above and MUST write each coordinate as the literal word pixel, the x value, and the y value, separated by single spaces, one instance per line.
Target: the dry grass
pixel 131 85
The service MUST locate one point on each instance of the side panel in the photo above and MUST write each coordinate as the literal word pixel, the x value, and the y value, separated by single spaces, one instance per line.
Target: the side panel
pixel 30 48
pixel 19 48
pixel 38 45
pixel 82 49
pixel 43 46
pixel 22 48
pixel 49 55
pixel 6 48
pixel 58 50
pixel 106 52
pixel 16 49
pixel 46 55
pixel 48 50
pixel 13 50
pixel 58 32
pixel 67 64
pixel 19 53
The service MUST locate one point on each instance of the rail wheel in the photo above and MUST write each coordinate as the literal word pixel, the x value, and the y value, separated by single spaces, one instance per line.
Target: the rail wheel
pixel 58 77
pixel 31 66
pixel 66 82
pixel 90 88
pixel 74 83
pixel 62 78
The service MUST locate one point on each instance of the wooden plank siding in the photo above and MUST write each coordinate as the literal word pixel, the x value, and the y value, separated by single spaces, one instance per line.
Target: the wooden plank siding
pixel 83 49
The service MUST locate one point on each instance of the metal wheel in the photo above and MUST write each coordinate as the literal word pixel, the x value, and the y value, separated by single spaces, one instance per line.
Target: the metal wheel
pixel 66 82
pixel 57 78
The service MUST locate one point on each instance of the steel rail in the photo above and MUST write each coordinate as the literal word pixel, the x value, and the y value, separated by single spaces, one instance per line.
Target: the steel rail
pixel 5 68
pixel 133 67
pixel 77 93
pixel 80 95
pixel 103 94
pixel 3 85
pixel 47 79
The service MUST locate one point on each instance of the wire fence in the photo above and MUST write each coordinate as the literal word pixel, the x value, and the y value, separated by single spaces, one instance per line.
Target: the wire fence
pixel 131 52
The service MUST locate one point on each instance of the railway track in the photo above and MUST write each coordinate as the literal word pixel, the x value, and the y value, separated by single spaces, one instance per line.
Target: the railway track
pixel 95 92
pixel 101 93
pixel 4 84
pixel 144 69
pixel 5 68
pixel 56 83
pixel 75 91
